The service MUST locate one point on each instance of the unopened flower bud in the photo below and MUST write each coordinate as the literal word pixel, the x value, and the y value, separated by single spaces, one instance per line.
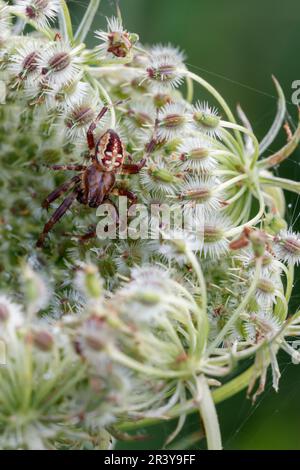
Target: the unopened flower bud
pixel 43 340
pixel 274 223
pixel 4 313
pixel 258 240
pixel 89 281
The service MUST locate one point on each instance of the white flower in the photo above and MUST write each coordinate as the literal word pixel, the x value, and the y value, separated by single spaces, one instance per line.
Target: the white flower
pixel 158 177
pixel 4 21
pixel 93 337
pixel 264 324
pixel 69 95
pixel 39 11
pixel 143 299
pixel 36 289
pixel 211 234
pixel 80 115
pixel 287 246
pixel 175 243
pixel 117 42
pixel 164 71
pixel 267 290
pixel 11 316
pixel 173 121
pixel 269 264
pixel 159 50
pixel 60 64
pixel 196 193
pixel 207 119
pixel 140 114
pixel 133 252
pixel 196 154
pixel 24 62
pixel 38 92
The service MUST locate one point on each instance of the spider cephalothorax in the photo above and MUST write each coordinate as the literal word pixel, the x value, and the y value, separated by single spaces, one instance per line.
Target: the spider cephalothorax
pixel 96 182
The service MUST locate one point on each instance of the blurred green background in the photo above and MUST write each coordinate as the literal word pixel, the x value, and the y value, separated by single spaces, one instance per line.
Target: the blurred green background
pixel 236 45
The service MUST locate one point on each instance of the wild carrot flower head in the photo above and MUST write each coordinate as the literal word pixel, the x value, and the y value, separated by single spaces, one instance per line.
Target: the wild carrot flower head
pixel 211 234
pixel 4 21
pixel 42 12
pixel 172 121
pixel 287 246
pixel 116 41
pixel 59 64
pixel 196 154
pixel 11 316
pixel 207 119
pixel 158 177
pixel 24 65
pixel 197 192
pixel 79 115
pixel 164 70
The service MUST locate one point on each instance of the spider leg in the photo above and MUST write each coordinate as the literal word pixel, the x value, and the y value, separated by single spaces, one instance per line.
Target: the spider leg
pixel 69 167
pixel 90 133
pixel 92 233
pixel 60 190
pixel 125 192
pixel 57 215
pixel 132 168
pixel 129 157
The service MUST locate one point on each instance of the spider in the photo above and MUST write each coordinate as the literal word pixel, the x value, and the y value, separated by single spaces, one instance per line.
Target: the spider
pixel 96 182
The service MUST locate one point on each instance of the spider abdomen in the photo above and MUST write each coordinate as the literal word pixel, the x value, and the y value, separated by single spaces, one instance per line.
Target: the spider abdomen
pixel 110 151
pixel 96 186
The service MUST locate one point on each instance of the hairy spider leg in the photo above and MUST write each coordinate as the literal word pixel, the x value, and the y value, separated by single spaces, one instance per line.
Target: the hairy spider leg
pixel 60 190
pixel 57 215
pixel 134 168
pixel 119 191
pixel 92 233
pixel 90 132
pixel 68 167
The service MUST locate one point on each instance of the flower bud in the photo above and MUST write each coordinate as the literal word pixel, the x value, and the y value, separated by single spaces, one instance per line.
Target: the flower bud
pixel 258 240
pixel 207 119
pixel 35 290
pixel 274 223
pixel 4 313
pixel 89 281
pixel 43 340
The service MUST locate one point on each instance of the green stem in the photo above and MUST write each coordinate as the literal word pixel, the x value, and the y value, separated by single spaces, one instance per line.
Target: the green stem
pixel 189 89
pixel 87 21
pixel 289 282
pixel 127 361
pixel 230 182
pixel 45 31
pixel 65 23
pixel 209 415
pixel 289 185
pixel 218 98
pixel 232 144
pixel 222 393
pixel 234 317
pixel 202 320
pixel 244 130
pixel 255 219
pixel 283 153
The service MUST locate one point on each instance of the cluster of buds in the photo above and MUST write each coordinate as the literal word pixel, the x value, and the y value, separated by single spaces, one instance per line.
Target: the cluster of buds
pixel 146 323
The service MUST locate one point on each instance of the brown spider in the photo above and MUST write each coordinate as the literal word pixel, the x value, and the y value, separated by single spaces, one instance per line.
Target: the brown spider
pixel 94 184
